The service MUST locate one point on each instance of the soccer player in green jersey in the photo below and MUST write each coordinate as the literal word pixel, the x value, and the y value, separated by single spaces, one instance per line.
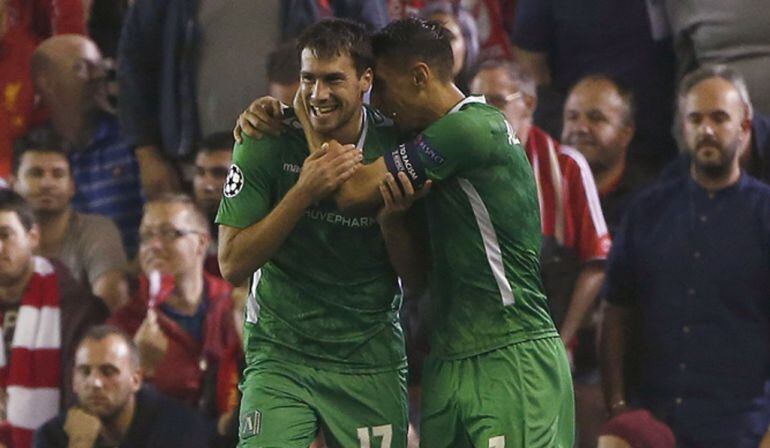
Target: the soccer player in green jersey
pixel 497 375
pixel 323 345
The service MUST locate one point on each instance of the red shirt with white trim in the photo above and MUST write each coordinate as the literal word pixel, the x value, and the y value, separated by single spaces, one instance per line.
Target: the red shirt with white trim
pixel 570 210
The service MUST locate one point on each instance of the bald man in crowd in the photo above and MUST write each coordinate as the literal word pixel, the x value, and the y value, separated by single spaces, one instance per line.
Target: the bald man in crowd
pixel 687 288
pixel 599 122
pixel 68 74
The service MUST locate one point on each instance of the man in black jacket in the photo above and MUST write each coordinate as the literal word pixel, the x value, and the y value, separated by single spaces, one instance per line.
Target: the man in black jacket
pixel 114 409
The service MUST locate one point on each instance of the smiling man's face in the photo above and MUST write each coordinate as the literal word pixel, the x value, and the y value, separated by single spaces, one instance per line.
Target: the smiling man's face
pixel 332 90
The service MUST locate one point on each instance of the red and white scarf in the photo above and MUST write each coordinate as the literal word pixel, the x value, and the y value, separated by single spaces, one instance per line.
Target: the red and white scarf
pixel 32 378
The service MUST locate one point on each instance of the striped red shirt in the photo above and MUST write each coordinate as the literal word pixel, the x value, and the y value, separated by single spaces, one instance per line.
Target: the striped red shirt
pixel 569 204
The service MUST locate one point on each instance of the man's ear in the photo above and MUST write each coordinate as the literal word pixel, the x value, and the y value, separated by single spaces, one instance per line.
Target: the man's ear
pixel 365 80
pixel 530 101
pixel 747 119
pixel 34 237
pixel 137 377
pixel 204 240
pixel 421 74
pixel 42 85
pixel 629 129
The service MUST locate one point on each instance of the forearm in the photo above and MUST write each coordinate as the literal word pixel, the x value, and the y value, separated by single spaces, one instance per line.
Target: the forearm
pixel 405 243
pixel 75 443
pixel 584 295
pixel 360 195
pixel 112 288
pixel 243 251
pixel 612 354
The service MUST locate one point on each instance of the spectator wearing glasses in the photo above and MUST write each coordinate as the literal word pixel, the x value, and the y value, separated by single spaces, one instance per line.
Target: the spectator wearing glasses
pixel 180 317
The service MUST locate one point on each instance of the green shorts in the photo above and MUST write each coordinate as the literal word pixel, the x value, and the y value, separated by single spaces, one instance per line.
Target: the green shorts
pixel 516 396
pixel 284 404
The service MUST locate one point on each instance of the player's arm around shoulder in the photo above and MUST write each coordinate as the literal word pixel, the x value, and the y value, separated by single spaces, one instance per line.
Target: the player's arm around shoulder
pixel 251 227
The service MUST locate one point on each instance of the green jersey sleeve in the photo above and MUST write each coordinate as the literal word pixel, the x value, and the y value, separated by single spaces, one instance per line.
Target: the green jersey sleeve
pixel 459 141
pixel 248 191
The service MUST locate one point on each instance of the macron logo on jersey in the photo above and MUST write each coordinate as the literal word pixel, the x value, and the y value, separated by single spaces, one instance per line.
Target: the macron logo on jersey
pixel 292 168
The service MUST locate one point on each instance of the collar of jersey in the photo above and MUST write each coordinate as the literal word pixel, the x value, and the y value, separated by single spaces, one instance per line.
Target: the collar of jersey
pixel 364 130
pixel 468 100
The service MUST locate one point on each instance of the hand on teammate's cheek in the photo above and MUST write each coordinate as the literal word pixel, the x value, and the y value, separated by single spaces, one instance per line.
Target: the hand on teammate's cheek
pixel 325 170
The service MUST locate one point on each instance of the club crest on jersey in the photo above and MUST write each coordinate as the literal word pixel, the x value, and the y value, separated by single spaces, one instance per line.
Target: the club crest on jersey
pixel 234 182
pixel 251 424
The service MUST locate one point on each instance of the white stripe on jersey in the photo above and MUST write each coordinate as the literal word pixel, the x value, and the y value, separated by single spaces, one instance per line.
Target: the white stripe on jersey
pixel 489 237
pixel 594 205
pixel 252 307
pixel 558 193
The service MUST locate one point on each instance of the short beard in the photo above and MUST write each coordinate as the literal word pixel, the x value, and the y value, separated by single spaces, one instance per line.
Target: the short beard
pixel 47 214
pixel 721 169
pixel 712 171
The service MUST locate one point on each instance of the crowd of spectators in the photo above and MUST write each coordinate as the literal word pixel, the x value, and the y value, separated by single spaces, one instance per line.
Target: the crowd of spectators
pixel 115 143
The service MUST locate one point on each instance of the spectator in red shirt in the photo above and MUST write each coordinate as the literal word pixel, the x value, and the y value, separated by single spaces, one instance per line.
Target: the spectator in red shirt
pixel 180 316
pixel 599 122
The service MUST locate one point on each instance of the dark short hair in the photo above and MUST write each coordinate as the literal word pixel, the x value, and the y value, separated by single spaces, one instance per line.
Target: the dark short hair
pixel 625 93
pixel 41 139
pixel 10 201
pixel 217 141
pixel 410 40
pixel 100 332
pixel 283 64
pixel 336 37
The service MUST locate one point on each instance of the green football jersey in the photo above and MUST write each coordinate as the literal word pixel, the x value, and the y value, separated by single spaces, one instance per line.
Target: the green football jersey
pixel 328 296
pixel 484 222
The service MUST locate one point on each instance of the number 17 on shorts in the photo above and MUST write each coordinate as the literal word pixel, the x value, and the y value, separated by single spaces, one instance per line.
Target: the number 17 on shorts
pixel 382 434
